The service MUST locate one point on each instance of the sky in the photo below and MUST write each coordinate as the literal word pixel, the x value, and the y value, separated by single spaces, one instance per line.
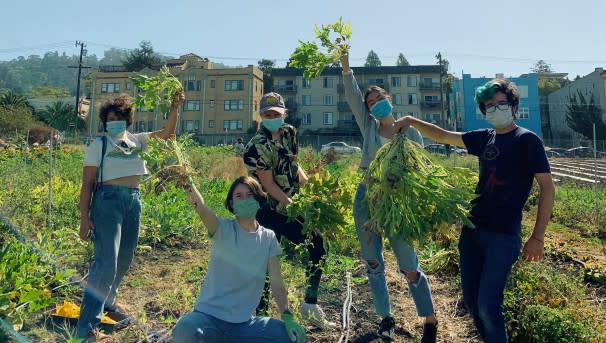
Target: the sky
pixel 480 38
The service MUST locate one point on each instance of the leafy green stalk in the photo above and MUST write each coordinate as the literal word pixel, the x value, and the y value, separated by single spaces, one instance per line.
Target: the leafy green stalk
pixel 158 90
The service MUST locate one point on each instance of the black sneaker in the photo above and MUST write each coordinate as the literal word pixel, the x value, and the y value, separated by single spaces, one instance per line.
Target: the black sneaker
pixel 386 328
pixel 430 331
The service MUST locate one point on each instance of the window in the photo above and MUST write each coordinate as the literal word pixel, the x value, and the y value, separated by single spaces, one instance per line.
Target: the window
pixel 191 125
pixel 191 105
pixel 233 105
pixel 110 88
pixel 395 81
pixel 412 99
pixel 328 82
pixel 306 120
pixel 234 85
pixel 212 83
pixel 232 125
pixel 377 82
pixel 211 124
pixel 127 85
pixel 150 125
pixel 140 126
pixel 436 117
pixel 328 100
pixel 211 103
pixel 397 99
pixel 327 118
pixel 192 85
pixel 306 100
pixel 192 75
pixel 432 98
pixel 398 115
pixel 523 113
pixel 411 80
pixel 306 83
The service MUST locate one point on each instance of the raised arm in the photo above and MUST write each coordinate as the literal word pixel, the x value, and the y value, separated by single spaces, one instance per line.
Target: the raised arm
pixel 209 218
pixel 171 124
pixel 432 131
pixel 354 96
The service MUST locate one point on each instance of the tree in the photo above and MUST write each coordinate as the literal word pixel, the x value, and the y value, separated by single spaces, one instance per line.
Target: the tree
pixel 402 61
pixel 15 118
pixel 582 114
pixel 143 57
pixel 293 120
pixel 541 67
pixel 60 115
pixel 266 67
pixel 12 98
pixel 114 56
pixel 372 60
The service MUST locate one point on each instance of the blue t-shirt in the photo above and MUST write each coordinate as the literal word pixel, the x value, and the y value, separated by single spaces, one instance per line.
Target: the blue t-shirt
pixel 236 272
pixel 508 163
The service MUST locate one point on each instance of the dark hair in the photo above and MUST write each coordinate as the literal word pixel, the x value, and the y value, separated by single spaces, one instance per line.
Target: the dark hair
pixel 370 90
pixel 255 188
pixel 486 92
pixel 240 140
pixel 121 106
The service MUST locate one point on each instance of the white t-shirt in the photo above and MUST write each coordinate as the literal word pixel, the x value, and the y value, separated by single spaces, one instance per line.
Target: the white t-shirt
pixel 121 155
pixel 236 272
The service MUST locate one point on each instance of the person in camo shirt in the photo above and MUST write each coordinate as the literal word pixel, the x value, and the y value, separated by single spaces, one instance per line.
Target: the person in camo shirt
pixel 510 157
pixel 271 157
pixel 373 115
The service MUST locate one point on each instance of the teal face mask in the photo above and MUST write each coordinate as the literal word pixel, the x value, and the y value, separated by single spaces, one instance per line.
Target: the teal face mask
pixel 381 108
pixel 115 127
pixel 246 208
pixel 273 125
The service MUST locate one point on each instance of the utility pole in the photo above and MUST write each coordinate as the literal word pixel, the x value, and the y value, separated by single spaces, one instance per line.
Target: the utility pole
pixel 80 66
pixel 439 57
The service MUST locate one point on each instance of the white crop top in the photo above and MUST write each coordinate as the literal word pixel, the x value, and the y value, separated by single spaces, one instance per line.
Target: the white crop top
pixel 121 155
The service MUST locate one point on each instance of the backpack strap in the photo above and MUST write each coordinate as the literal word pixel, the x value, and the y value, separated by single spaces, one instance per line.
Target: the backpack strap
pixel 100 170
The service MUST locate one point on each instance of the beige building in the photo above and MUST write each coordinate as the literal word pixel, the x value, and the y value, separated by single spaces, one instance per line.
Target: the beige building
pixel 321 105
pixel 218 101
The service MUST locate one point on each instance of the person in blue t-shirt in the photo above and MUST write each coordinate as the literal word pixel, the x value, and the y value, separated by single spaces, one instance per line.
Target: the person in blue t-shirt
pixel 510 158
pixel 242 253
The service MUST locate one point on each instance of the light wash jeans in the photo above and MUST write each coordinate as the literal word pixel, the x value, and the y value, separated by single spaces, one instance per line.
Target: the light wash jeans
pixel 371 245
pixel 200 327
pixel 116 215
pixel 486 261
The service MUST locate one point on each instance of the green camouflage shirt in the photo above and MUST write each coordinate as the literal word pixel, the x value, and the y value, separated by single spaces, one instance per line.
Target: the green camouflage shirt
pixel 263 153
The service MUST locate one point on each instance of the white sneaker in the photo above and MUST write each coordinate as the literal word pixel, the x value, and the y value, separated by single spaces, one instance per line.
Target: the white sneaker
pixel 314 314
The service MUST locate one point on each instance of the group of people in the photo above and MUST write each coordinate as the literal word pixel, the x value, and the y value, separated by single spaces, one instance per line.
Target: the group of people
pixel 244 262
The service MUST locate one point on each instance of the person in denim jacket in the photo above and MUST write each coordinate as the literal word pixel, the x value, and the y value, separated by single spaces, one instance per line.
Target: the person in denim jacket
pixel 110 213
pixel 372 111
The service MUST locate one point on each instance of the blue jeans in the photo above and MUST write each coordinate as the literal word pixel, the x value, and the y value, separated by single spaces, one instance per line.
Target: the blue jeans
pixel 486 261
pixel 201 327
pixel 371 246
pixel 115 214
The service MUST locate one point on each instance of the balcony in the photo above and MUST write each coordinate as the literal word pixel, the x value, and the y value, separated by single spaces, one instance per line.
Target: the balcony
pixel 430 86
pixel 349 125
pixel 284 88
pixel 431 104
pixel 343 106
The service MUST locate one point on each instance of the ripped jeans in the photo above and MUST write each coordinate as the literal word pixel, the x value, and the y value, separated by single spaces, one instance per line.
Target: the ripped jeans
pixel 371 246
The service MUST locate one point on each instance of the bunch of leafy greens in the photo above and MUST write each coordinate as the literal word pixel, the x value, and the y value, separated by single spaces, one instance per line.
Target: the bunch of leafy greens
pixel 308 55
pixel 167 163
pixel 411 197
pixel 158 90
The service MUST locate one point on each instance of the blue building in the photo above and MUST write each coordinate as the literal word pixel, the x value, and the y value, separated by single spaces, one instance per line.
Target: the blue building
pixel 468 115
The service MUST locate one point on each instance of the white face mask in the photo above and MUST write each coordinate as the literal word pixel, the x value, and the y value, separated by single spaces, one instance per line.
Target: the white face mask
pixel 500 118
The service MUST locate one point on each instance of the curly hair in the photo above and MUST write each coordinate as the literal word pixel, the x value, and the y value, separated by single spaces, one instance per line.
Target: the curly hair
pixel 486 92
pixel 121 106
pixel 255 188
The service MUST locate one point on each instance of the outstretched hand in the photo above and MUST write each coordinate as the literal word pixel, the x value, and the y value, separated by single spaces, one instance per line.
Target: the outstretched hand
pixel 177 99
pixel 402 124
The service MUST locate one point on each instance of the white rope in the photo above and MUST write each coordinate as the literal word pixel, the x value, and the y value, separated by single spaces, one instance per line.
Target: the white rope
pixel 346 311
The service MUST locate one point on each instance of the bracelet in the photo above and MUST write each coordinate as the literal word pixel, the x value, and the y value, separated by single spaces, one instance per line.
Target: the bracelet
pixel 537 239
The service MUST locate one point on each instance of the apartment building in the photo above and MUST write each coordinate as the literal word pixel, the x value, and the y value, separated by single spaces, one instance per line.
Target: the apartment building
pixel 218 101
pixel 591 84
pixel 468 115
pixel 323 108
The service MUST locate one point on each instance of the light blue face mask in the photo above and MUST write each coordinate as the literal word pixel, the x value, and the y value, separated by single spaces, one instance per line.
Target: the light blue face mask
pixel 273 125
pixel 381 108
pixel 246 208
pixel 116 127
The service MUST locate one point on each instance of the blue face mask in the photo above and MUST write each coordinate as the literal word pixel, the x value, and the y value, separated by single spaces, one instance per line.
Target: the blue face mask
pixel 116 127
pixel 246 208
pixel 381 108
pixel 273 124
